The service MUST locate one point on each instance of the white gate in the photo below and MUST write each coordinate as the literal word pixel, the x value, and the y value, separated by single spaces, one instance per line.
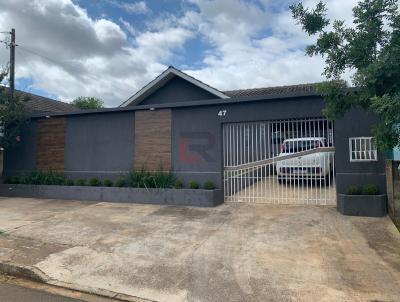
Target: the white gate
pixel 280 162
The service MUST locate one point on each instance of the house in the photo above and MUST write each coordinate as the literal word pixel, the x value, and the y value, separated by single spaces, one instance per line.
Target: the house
pixel 270 145
pixel 38 104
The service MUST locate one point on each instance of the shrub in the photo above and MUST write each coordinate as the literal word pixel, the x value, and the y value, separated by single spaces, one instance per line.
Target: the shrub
pixel 209 185
pixel 48 178
pixel 12 180
pixel 107 183
pixel 69 182
pixel 145 179
pixel 370 189
pixel 353 190
pixel 120 182
pixel 193 185
pixel 94 182
pixel 178 184
pixel 7 180
pixel 164 180
pixel 38 178
pixel 80 182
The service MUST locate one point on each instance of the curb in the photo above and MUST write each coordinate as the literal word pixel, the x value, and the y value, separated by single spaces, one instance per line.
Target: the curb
pixel 36 275
pixel 26 272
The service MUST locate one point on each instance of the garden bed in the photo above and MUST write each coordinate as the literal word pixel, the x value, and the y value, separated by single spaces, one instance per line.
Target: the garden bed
pixel 362 205
pixel 185 197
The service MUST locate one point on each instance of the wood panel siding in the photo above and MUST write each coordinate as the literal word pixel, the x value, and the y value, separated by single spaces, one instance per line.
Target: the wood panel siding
pixel 153 140
pixel 51 144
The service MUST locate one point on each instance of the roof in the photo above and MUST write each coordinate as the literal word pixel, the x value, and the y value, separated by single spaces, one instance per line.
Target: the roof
pixel 162 79
pixel 190 104
pixel 39 104
pixel 289 90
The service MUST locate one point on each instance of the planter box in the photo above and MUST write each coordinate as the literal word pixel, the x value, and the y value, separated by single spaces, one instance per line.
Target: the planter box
pixel 362 205
pixel 185 197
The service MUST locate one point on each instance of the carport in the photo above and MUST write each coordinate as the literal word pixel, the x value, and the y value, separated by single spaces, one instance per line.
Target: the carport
pixel 281 161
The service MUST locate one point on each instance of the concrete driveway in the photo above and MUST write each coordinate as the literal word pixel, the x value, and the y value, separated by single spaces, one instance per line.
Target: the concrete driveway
pixel 235 252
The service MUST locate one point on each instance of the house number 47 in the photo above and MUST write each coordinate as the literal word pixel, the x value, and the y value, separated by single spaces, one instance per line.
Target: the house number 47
pixel 222 113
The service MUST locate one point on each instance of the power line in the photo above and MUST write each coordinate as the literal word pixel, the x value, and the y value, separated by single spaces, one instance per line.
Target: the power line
pixel 24 48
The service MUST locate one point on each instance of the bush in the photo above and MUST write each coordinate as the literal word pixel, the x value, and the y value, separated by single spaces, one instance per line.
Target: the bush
pixel 94 182
pixel 193 185
pixel 178 184
pixel 69 182
pixel 12 180
pixel 353 190
pixel 209 185
pixel 48 178
pixel 8 180
pixel 370 189
pixel 107 183
pixel 38 178
pixel 120 182
pixel 80 182
pixel 145 179
pixel 163 180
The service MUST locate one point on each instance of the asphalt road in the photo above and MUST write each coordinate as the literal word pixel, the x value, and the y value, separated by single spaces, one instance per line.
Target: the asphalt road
pixel 14 293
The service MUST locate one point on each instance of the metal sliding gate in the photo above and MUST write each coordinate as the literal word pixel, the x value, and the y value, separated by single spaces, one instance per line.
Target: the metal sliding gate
pixel 280 162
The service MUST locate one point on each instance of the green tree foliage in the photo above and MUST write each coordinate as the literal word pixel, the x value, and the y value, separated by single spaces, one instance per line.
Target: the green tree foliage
pixel 88 103
pixel 371 48
pixel 12 115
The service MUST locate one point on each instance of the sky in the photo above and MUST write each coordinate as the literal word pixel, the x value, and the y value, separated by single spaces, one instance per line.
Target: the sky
pixel 112 48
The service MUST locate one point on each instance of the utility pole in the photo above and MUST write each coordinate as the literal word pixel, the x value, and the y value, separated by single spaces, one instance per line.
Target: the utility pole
pixel 12 63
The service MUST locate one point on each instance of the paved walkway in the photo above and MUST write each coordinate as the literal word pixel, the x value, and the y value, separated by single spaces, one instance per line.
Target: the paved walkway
pixel 235 252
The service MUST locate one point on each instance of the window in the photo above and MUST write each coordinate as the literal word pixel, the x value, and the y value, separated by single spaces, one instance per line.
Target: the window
pixel 362 149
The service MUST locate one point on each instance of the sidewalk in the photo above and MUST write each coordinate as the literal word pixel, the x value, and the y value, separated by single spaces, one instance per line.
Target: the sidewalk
pixel 235 252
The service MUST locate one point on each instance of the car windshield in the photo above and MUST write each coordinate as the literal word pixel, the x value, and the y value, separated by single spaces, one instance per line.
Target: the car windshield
pixel 298 146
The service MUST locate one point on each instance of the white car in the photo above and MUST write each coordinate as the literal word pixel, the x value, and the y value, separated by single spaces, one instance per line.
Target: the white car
pixel 312 166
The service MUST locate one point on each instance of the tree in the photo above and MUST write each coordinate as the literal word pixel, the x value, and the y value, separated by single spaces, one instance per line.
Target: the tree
pixel 12 115
pixel 88 103
pixel 371 49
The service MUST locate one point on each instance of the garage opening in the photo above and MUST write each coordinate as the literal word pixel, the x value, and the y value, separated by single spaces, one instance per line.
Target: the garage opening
pixel 280 162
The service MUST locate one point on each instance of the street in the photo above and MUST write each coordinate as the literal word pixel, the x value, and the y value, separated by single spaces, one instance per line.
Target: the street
pixel 15 293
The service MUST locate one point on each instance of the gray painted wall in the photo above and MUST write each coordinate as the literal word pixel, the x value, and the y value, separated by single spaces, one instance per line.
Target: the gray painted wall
pixel 99 145
pixel 22 157
pixel 177 90
pixel 356 123
pixel 201 127
pixel 102 145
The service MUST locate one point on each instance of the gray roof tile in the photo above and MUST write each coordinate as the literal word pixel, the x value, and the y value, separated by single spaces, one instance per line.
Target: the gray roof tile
pixel 286 91
pixel 39 104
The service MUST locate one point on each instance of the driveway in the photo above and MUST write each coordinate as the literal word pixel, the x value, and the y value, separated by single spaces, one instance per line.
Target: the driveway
pixel 235 252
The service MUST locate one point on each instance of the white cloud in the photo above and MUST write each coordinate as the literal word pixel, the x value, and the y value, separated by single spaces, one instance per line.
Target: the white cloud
pixel 250 45
pixel 128 27
pixel 69 54
pixel 136 7
pixel 255 47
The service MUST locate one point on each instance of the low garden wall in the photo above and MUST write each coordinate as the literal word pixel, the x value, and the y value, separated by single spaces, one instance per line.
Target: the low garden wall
pixel 185 197
pixel 136 187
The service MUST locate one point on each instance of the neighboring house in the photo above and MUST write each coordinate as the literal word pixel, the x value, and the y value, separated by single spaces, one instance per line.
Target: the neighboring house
pixel 36 103
pixel 39 104
pixel 234 138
